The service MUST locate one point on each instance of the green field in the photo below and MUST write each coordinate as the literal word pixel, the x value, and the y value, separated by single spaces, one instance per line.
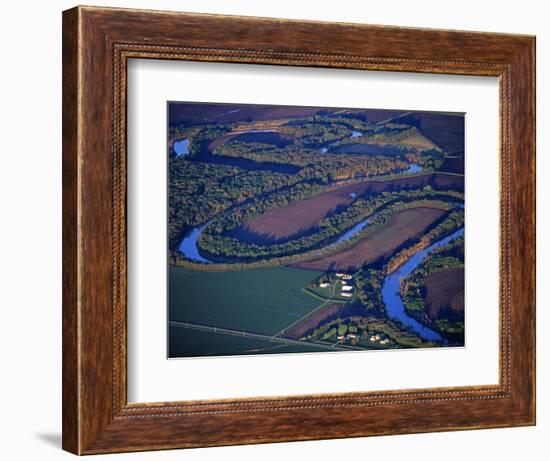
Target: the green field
pixel 186 342
pixel 257 300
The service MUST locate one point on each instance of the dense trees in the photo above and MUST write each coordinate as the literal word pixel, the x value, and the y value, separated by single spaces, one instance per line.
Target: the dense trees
pixel 369 289
pixel 364 327
pixel 232 196
pixel 382 162
pixel 199 191
pixel 373 150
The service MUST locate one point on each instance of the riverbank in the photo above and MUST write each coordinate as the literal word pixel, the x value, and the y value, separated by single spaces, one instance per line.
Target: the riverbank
pixel 391 293
pixel 330 248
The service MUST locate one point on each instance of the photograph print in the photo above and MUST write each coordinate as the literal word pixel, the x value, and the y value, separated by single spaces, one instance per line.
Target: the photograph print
pixel 313 229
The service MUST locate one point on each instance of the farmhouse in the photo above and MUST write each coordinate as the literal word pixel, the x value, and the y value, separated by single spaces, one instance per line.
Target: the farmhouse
pixel 347 288
pixel 346 294
pixel 324 284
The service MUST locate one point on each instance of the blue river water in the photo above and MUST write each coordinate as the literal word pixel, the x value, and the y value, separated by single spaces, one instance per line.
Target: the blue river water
pixel 413 168
pixel 391 285
pixel 392 299
pixel 354 134
pixel 181 147
pixel 354 230
pixel 190 250
pixel 189 247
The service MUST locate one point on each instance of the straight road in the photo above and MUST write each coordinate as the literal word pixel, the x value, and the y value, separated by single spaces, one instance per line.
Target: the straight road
pixel 246 334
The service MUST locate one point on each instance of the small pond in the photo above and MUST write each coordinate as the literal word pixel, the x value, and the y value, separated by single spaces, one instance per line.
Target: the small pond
pixel 181 147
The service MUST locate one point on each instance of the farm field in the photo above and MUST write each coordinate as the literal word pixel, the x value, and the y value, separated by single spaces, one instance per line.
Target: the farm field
pixel 258 300
pixel 445 290
pixel 300 328
pixel 402 226
pixel 296 219
pixel 196 113
pixel 377 116
pixel 454 164
pixel 300 217
pixel 446 131
pixel 418 141
pixel 185 342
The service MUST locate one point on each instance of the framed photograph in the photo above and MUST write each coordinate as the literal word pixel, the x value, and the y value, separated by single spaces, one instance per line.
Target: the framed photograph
pixel 280 230
pixel 310 229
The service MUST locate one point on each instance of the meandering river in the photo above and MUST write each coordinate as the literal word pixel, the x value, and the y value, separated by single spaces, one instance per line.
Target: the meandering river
pixel 190 249
pixel 391 294
pixel 189 244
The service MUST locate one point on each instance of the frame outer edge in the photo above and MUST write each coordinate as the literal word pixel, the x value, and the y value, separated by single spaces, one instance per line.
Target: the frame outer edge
pixel 524 92
pixel 91 422
pixel 70 177
pixel 533 51
pixel 522 248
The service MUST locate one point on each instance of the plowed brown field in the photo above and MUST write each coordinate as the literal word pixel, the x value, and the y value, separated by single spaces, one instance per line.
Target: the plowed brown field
pixel 302 217
pixel 445 294
pixel 402 226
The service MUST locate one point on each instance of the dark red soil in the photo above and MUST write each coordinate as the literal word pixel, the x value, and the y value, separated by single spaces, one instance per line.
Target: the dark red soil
pixel 446 131
pixel 445 294
pixel 302 217
pixel 403 226
pixel 299 329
